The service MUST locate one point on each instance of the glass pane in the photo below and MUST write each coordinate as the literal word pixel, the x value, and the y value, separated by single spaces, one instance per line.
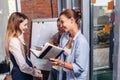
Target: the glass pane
pixel 63 5
pixel 103 40
pixel 76 4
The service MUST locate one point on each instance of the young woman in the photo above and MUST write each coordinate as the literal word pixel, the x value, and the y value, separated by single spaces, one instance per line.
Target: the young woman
pixel 74 61
pixel 17 50
pixel 56 38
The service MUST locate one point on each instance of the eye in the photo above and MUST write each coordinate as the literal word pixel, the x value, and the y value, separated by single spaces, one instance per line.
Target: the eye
pixel 62 22
pixel 26 25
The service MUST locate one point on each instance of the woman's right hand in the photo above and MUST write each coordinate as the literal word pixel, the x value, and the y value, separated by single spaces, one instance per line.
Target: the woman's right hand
pixel 56 62
pixel 38 72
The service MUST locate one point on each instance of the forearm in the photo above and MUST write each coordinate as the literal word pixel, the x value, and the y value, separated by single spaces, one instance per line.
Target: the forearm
pixel 67 66
pixel 16 51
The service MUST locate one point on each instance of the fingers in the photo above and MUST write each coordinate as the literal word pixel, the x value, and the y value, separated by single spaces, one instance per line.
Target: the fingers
pixel 52 59
pixel 55 61
pixel 40 75
pixel 37 70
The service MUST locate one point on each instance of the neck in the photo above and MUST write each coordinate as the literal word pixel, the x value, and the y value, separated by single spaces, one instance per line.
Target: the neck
pixel 73 32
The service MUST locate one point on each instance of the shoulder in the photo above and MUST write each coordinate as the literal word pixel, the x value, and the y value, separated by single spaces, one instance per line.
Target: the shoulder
pixel 14 41
pixel 81 40
pixel 81 44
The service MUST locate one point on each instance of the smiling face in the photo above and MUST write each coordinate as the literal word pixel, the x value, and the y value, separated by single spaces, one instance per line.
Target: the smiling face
pixel 65 23
pixel 24 25
pixel 60 29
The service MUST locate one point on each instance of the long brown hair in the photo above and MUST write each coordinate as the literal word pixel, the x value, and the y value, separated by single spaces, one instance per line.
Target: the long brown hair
pixel 13 29
pixel 72 13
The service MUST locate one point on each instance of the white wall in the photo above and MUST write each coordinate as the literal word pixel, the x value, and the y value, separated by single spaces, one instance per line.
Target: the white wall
pixel 3 22
pixel 6 8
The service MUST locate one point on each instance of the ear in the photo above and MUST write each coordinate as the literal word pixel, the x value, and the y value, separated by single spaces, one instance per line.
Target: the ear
pixel 72 20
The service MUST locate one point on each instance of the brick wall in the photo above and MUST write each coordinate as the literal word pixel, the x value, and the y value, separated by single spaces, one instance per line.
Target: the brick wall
pixel 38 9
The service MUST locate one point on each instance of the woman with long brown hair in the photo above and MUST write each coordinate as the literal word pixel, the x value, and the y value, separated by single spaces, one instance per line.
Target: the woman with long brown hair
pixel 16 49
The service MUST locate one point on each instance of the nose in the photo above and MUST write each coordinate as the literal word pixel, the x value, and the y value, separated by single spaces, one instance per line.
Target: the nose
pixel 26 27
pixel 61 26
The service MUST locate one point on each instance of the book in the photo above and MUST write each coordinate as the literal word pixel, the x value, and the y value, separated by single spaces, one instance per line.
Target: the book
pixel 48 51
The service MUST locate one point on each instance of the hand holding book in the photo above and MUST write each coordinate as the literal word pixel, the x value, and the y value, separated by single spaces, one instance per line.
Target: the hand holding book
pixel 48 51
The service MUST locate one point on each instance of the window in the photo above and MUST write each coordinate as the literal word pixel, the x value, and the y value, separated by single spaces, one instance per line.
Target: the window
pixel 64 4
pixel 75 4
pixel 102 39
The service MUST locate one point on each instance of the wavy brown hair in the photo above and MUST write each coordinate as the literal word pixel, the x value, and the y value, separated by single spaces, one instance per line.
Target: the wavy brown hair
pixel 13 29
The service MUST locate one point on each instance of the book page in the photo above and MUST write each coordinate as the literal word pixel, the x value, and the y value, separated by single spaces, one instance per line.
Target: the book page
pixel 52 52
pixel 48 51
pixel 36 52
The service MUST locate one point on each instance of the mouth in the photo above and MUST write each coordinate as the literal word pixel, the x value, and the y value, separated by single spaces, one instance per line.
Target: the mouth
pixel 24 30
pixel 64 28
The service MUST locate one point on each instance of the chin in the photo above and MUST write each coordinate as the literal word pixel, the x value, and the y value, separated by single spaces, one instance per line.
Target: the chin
pixel 23 31
pixel 66 30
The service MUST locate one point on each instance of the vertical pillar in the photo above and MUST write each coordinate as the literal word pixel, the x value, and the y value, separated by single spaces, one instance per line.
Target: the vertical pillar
pixel 116 55
pixel 85 6
pixel 86 17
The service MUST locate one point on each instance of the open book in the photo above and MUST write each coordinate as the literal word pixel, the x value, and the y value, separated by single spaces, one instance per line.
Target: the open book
pixel 48 51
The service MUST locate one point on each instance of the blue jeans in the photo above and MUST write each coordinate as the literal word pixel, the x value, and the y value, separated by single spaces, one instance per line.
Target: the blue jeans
pixel 54 74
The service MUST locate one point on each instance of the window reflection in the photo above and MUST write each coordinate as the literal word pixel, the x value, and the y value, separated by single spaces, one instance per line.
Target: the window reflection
pixel 103 40
pixel 74 4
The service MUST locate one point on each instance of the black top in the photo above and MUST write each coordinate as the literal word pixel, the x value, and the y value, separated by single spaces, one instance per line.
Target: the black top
pixel 16 73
